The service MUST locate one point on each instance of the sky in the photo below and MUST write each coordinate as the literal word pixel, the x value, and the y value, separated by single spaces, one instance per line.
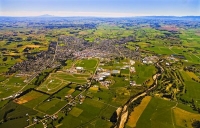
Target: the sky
pixel 100 8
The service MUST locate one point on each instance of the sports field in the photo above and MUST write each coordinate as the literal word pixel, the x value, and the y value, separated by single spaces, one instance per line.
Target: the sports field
pixel 88 64
pixel 75 78
pixel 52 84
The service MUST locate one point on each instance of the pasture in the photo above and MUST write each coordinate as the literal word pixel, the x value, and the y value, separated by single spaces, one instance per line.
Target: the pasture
pixel 28 97
pixel 76 112
pixel 137 112
pixel 11 85
pixel 119 82
pixel 34 102
pixel 63 92
pixel 120 97
pixel 143 72
pixel 157 114
pixel 14 113
pixel 51 106
pixel 192 87
pixel 184 118
pixel 83 114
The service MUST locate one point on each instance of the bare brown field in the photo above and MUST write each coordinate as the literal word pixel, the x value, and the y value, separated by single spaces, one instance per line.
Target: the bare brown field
pixel 169 28
pixel 28 97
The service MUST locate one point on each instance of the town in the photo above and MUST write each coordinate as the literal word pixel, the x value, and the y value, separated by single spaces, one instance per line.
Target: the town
pixel 99 72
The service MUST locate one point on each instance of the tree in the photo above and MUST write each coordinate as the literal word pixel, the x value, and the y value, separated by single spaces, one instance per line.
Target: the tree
pixel 196 124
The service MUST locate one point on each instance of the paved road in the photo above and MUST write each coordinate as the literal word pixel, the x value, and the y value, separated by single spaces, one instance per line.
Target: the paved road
pixel 68 102
pixel 32 77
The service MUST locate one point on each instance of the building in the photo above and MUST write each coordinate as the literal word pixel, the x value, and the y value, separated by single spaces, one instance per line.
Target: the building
pixel 105 74
pixel 79 68
pixel 132 83
pixel 132 69
pixel 132 62
pixel 115 72
pixel 101 78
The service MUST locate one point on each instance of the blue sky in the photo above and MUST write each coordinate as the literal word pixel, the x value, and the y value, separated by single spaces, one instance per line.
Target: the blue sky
pixel 105 8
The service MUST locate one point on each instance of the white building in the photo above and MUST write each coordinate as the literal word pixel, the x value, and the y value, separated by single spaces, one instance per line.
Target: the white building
pixel 79 68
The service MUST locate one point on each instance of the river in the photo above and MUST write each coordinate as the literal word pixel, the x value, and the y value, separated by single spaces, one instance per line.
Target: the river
pixel 122 112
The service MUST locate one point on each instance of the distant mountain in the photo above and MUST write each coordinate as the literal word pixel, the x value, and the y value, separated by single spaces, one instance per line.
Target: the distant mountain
pixel 46 15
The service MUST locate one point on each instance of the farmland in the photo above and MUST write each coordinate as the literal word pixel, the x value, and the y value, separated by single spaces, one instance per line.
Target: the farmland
pixel 11 85
pixel 147 72
pixel 78 72
pixel 135 115
pixel 151 116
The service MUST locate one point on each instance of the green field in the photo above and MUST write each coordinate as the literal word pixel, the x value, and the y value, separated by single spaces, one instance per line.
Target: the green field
pixel 192 89
pixel 10 86
pixel 51 106
pixel 33 103
pixel 143 72
pixel 90 110
pixel 28 97
pixel 119 82
pixel 53 83
pixel 157 114
pixel 76 112
pixel 63 92
pixel 88 64
pixel 15 113
pixel 76 78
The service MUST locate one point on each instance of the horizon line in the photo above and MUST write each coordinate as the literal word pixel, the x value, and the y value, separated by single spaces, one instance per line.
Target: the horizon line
pixel 83 14
pixel 51 16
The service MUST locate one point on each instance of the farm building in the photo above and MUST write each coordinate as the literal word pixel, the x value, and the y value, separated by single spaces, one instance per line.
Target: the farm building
pixel 132 62
pixel 79 68
pixel 132 69
pixel 115 72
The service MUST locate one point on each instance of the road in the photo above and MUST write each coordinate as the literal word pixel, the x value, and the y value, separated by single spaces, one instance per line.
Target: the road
pixel 69 101
pixel 31 78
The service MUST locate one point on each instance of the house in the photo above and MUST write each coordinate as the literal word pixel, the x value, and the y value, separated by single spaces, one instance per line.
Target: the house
pixel 105 73
pixel 79 68
pixel 115 72
pixel 167 64
pixel 132 83
pixel 144 61
pixel 132 62
pixel 132 69
pixel 101 78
